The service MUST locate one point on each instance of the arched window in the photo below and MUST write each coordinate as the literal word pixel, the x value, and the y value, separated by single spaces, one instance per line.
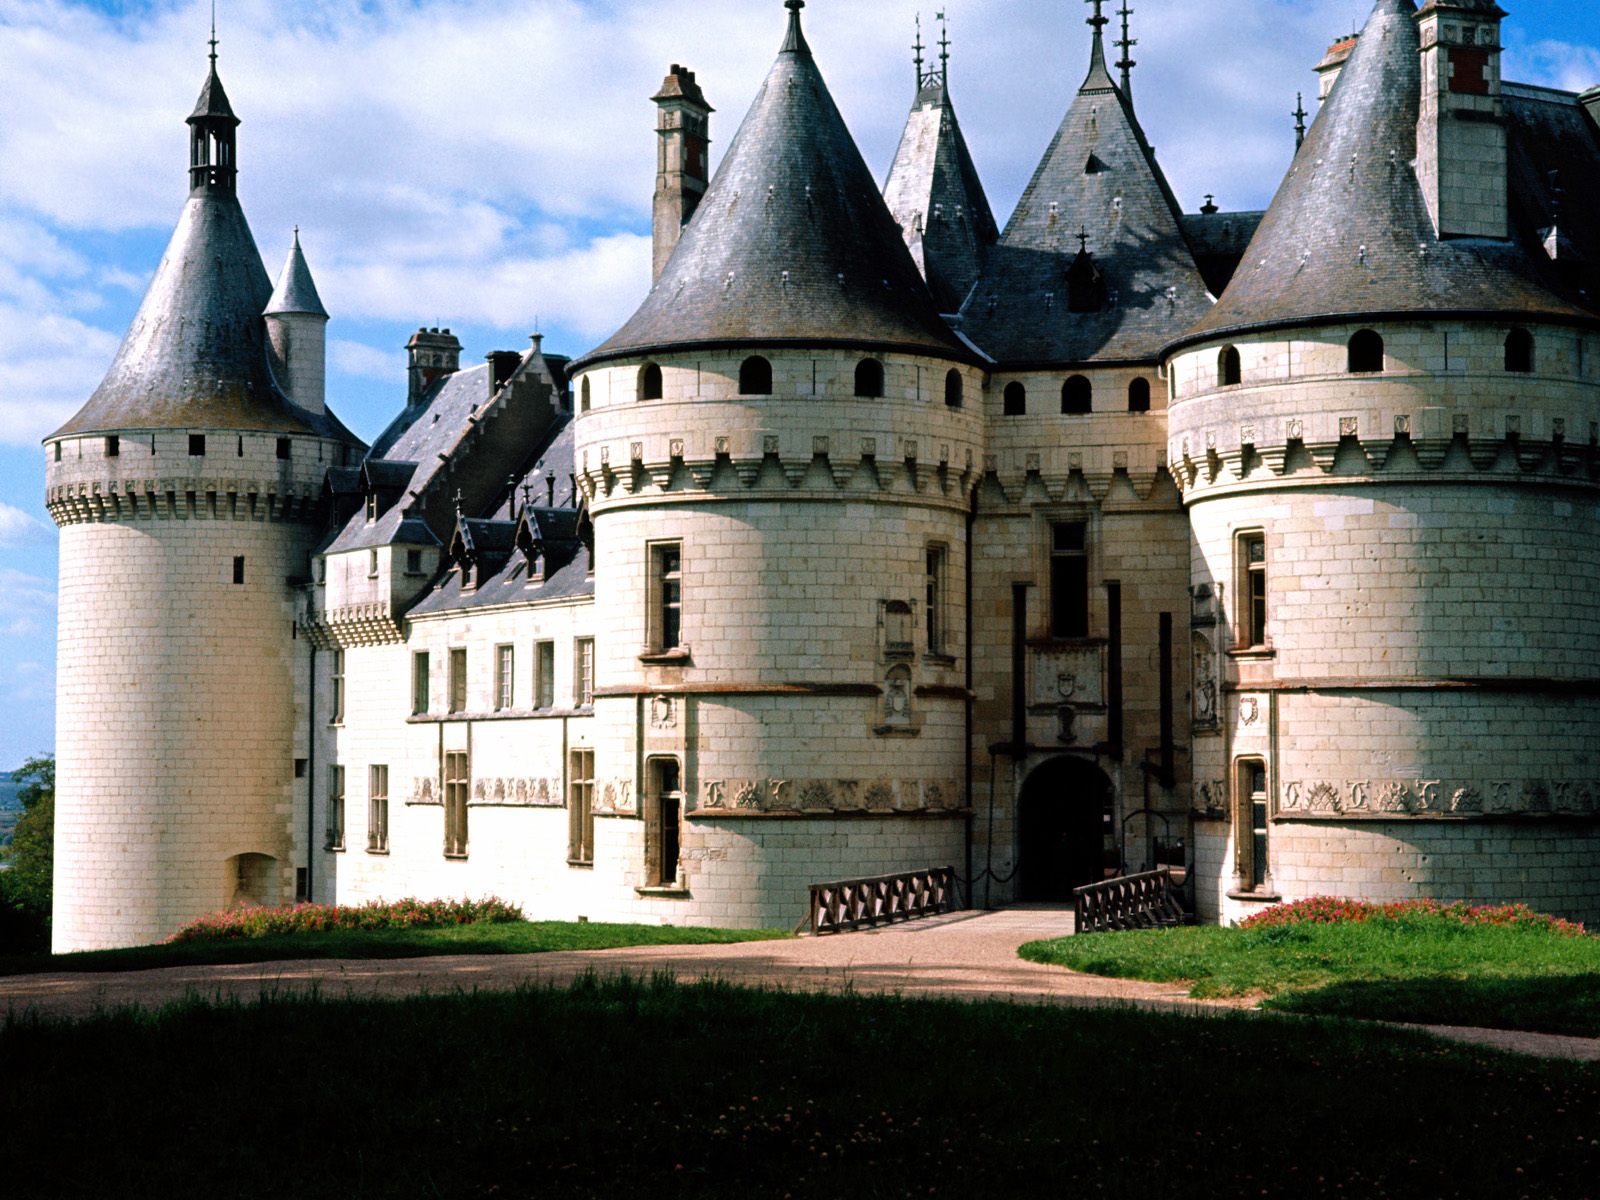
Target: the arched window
pixel 1366 353
pixel 1139 395
pixel 953 389
pixel 1016 400
pixel 650 382
pixel 1077 396
pixel 1519 351
pixel 584 393
pixel 755 377
pixel 1229 371
pixel 869 379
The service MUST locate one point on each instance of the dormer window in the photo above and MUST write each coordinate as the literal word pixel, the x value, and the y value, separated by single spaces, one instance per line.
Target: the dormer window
pixel 372 507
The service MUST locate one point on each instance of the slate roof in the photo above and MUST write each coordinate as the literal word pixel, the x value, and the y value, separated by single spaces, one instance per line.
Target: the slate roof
pixel 1348 234
pixel 296 291
pixel 1218 241
pixel 213 101
pixel 792 244
pixel 936 197
pixel 1099 177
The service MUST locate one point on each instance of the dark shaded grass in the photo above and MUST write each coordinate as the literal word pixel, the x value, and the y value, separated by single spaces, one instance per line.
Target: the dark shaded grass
pixel 517 937
pixel 622 1089
pixel 1428 971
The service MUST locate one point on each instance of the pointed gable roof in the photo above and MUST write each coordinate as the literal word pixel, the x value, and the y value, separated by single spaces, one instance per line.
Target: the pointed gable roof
pixel 1098 178
pixel 792 244
pixel 936 197
pixel 1348 234
pixel 213 102
pixel 296 291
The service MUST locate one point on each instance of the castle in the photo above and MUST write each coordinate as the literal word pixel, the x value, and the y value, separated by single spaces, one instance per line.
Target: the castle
pixel 1264 546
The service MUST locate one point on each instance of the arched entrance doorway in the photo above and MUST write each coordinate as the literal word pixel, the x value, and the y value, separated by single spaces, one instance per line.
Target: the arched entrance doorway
pixel 1066 829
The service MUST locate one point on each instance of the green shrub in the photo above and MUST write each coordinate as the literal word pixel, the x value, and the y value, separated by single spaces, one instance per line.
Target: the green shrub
pixel 242 923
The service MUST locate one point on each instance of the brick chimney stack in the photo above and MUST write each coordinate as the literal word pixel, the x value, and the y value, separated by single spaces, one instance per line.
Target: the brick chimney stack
pixel 431 354
pixel 683 162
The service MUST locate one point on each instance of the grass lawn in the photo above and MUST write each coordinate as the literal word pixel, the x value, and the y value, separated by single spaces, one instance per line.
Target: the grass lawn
pixel 1437 972
pixel 516 937
pixel 623 1090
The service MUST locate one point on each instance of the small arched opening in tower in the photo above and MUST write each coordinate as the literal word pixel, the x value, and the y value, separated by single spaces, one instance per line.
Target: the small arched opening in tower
pixel 650 382
pixel 954 390
pixel 1519 352
pixel 1229 369
pixel 755 377
pixel 869 379
pixel 1139 396
pixel 1077 396
pixel 1016 400
pixel 1366 353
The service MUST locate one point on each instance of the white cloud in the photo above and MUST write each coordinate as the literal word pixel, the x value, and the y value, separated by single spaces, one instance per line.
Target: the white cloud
pixel 17 528
pixel 367 362
pixel 27 605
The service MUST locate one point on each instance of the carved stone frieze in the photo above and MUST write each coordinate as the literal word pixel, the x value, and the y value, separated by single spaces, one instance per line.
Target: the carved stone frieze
pixel 500 792
pixel 1071 673
pixel 1434 797
pixel 749 797
pixel 422 792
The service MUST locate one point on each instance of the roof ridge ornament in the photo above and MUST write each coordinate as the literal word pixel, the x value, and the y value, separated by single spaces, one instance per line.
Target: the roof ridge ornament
pixel 795 43
pixel 1299 116
pixel 1126 44
pixel 1099 78
pixel 213 35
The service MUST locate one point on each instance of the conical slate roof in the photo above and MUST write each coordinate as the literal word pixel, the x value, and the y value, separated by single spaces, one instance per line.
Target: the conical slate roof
pixel 296 291
pixel 1348 234
pixel 792 243
pixel 213 101
pixel 935 195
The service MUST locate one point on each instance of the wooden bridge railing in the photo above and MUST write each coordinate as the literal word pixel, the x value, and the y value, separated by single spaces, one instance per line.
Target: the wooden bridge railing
pixel 853 903
pixel 1146 901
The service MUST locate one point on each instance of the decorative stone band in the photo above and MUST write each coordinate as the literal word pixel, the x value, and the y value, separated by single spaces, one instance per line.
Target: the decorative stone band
pixel 357 625
pixel 1436 798
pixel 765 797
pixel 660 694
pixel 179 500
pixel 516 793
pixel 423 793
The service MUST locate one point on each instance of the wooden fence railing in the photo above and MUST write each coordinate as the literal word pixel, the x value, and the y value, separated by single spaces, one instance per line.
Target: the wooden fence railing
pixel 854 903
pixel 1145 901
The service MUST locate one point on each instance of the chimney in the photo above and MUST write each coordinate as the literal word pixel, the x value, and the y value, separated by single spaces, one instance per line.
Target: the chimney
pixel 1461 133
pixel 431 354
pixel 1332 63
pixel 503 365
pixel 683 159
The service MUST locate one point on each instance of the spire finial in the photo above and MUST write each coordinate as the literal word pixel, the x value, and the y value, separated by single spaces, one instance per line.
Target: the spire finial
pixel 1299 120
pixel 213 35
pixel 1126 45
pixel 1083 239
pixel 1099 21
pixel 944 46
pixel 796 41
pixel 917 50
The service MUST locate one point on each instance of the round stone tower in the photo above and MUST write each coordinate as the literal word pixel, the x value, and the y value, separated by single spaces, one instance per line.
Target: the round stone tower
pixel 778 452
pixel 187 491
pixel 1385 432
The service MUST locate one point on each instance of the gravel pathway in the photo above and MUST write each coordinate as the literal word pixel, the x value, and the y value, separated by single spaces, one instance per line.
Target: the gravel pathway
pixel 968 955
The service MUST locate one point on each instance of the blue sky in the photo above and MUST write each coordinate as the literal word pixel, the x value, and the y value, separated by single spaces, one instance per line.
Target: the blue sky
pixel 487 165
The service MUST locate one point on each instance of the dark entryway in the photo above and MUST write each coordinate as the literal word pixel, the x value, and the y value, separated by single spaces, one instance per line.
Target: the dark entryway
pixel 1066 830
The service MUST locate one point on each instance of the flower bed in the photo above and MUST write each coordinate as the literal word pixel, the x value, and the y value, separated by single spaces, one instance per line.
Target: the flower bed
pixel 241 923
pixel 1332 910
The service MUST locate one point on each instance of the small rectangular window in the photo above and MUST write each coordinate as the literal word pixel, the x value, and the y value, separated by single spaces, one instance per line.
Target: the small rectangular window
pixel 457 787
pixel 505 677
pixel 283 448
pixel 666 588
pixel 335 808
pixel 58 451
pixel 113 446
pixel 1251 824
pixel 238 570
pixel 419 683
pixel 580 807
pixel 663 823
pixel 372 564
pixel 377 809
pixel 458 680
pixel 413 562
pixel 1069 579
pixel 197 445
pixel 544 675
pixel 583 664
pixel 336 677
pixel 372 507
pixel 1252 550
pixel 935 600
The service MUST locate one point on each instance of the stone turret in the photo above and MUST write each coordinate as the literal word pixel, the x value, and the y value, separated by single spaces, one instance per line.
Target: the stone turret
pixel 297 332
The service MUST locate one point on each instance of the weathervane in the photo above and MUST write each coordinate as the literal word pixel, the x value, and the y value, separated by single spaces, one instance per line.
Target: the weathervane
pixel 917 50
pixel 213 34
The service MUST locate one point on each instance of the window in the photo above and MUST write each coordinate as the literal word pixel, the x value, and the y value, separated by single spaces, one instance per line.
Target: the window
pixel 666 596
pixel 1077 396
pixel 58 451
pixel 457 786
pixel 544 675
pixel 935 600
pixel 755 377
pixel 283 449
pixel 954 390
pixel 650 382
pixel 197 444
pixel 869 379
pixel 1252 550
pixel 583 402
pixel 583 666
pixel 377 810
pixel 505 677
pixel 336 678
pixel 419 683
pixel 372 564
pixel 1519 352
pixel 238 569
pixel 458 679
pixel 663 823
pixel 372 507
pixel 1016 401
pixel 1069 579
pixel 1229 369
pixel 580 807
pixel 1251 824
pixel 413 562
pixel 1366 353
pixel 1139 396
pixel 335 808
pixel 113 446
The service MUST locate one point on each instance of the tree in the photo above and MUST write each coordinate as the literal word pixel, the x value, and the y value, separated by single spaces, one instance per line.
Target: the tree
pixel 28 883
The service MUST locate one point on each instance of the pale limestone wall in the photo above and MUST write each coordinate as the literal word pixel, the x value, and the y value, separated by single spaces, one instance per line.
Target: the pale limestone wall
pixel 297 348
pixel 1461 137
